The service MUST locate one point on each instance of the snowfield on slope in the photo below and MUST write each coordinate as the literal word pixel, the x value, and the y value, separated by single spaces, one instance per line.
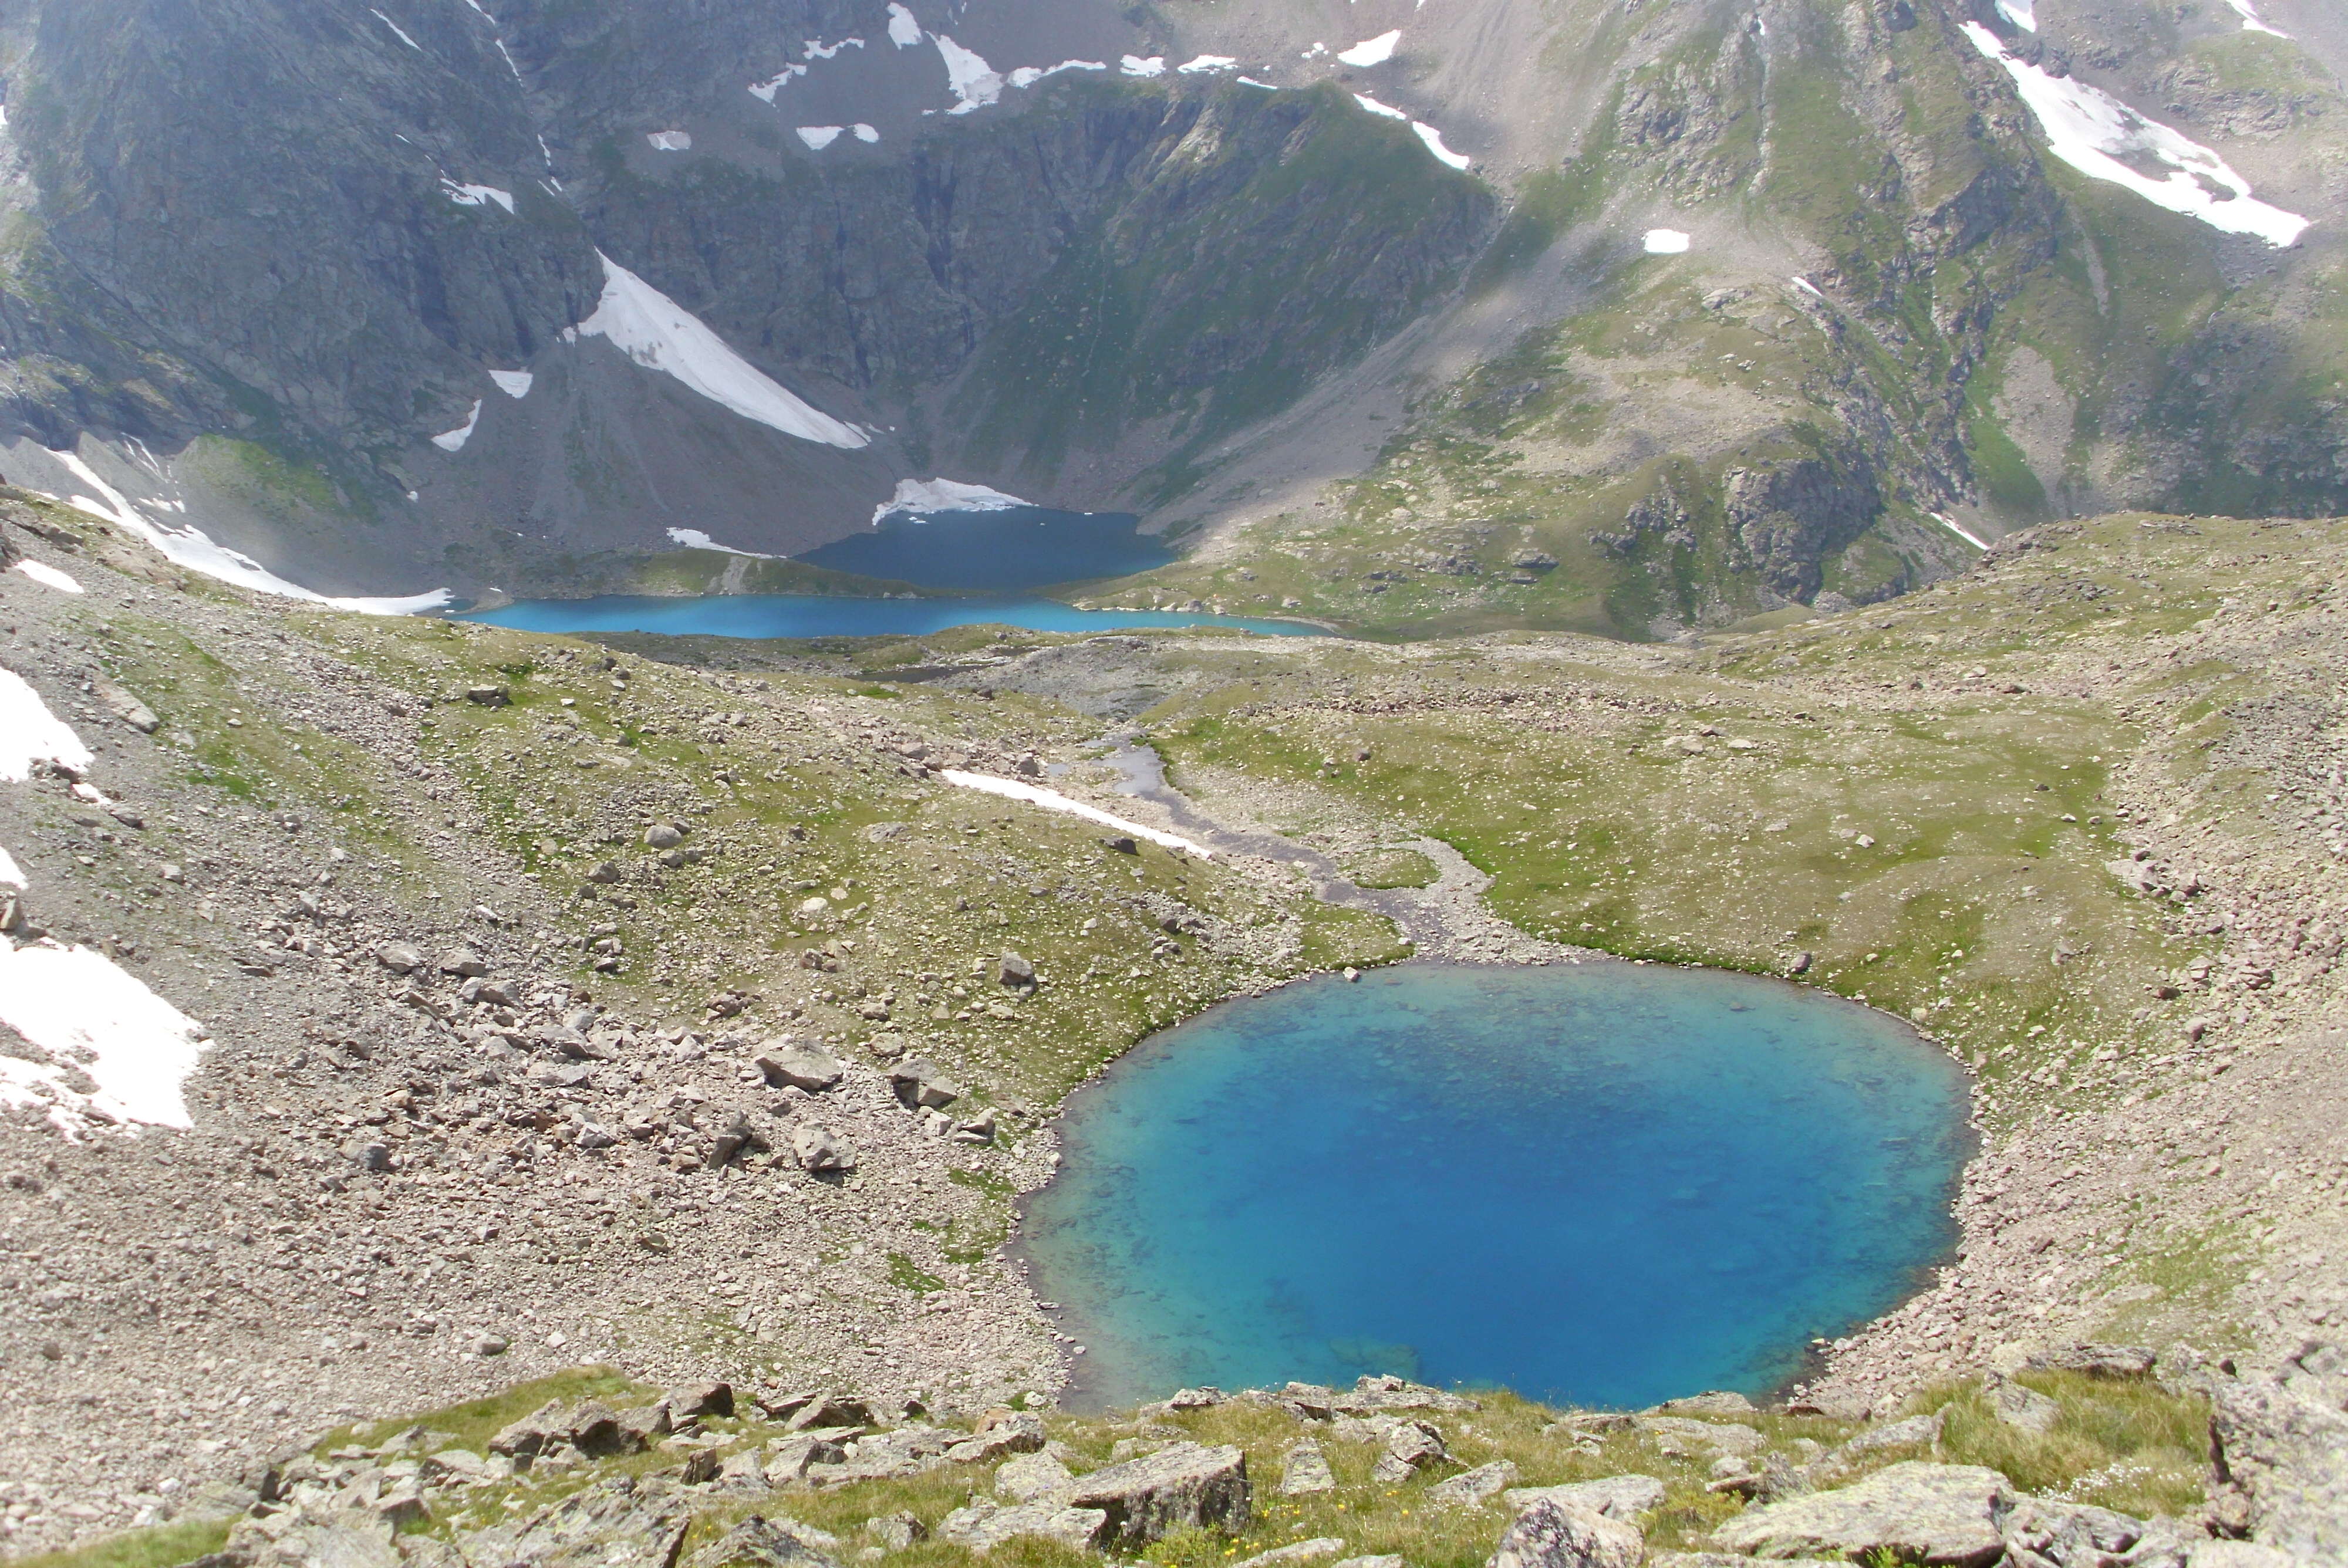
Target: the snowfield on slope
pixel 661 335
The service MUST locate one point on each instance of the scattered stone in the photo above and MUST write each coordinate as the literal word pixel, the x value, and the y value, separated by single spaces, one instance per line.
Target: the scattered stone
pixel 1016 971
pixel 985 1525
pixel 1473 1488
pixel 1034 1477
pixel 1306 1471
pixel 2095 1361
pixel 839 1410
pixel 758 1542
pixel 819 1150
pixel 1624 1497
pixel 1184 1487
pixel 921 1084
pixel 693 1400
pixel 1011 1432
pixel 787 1063
pixel 1548 1535
pixel 1309 1550
pixel 1916 1432
pixel 664 835
pixel 399 957
pixel 489 696
pixel 463 961
pixel 1911 1512
pixel 1411 1446
pixel 2016 1406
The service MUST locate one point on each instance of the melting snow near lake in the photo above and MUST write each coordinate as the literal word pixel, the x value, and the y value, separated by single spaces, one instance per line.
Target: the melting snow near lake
pixel 2092 131
pixel 944 495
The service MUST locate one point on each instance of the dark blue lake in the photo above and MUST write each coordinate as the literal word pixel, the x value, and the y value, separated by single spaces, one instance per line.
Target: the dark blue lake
pixel 1018 547
pixel 820 615
pixel 1599 1184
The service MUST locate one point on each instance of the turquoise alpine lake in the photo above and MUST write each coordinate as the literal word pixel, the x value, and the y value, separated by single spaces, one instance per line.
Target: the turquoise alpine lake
pixel 762 615
pixel 1602 1183
pixel 995 551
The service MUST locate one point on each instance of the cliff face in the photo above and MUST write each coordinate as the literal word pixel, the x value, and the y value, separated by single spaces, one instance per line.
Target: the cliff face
pixel 278 267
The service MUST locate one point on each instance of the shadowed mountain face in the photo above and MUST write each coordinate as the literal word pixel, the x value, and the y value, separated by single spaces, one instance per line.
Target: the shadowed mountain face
pixel 1729 307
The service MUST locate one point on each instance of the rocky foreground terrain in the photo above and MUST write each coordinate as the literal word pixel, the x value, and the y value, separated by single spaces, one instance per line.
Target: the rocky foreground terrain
pixel 671 1009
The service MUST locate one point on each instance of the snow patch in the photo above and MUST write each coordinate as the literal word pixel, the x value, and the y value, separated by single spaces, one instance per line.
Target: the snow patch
pixel 1433 139
pixel 919 496
pixel 1664 241
pixel 673 140
pixel 903 30
pixel 1052 800
pixel 1134 65
pixel 1314 53
pixel 695 539
pixel 863 132
pixel 397 31
pixel 1028 76
pixel 454 440
pixel 765 91
pixel 660 334
pixel 476 195
pixel 48 576
pixel 1371 104
pixel 11 874
pixel 194 549
pixel 2022 14
pixel 514 384
pixel 30 733
pixel 1252 82
pixel 819 137
pixel 974 83
pixel 815 49
pixel 1808 287
pixel 94 1018
pixel 2091 131
pixel 1375 51
pixel 2250 22
pixel 1207 65
pixel 1962 531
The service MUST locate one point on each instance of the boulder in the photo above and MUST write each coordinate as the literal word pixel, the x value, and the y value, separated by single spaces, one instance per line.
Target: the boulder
pixel 489 696
pixel 787 1063
pixel 1911 1513
pixel 664 835
pixel 399 957
pixel 896 1531
pixel 1033 1477
pixel 756 1541
pixel 984 1525
pixel 1306 1471
pixel 1016 971
pixel 1473 1488
pixel 463 961
pixel 1547 1535
pixel 1411 1446
pixel 693 1400
pixel 2016 1406
pixel 1184 1487
pixel 1916 1432
pixel 2069 1534
pixel 1683 1435
pixel 1624 1497
pixel 533 1434
pixel 1309 1550
pixel 818 1149
pixel 921 1084
pixel 1390 1393
pixel 837 1410
pixel 1714 1403
pixel 1013 1432
pixel 2095 1361
pixel 609 1524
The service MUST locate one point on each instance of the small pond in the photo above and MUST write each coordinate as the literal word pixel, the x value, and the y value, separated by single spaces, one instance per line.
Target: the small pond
pixel 1015 548
pixel 823 615
pixel 1602 1183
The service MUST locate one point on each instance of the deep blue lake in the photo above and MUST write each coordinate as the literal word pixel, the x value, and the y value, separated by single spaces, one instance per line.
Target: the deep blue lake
pixel 1599 1184
pixel 1019 546
pixel 820 615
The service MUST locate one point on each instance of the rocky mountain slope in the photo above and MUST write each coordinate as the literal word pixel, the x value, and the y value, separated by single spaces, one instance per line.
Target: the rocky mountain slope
pixel 399 1007
pixel 1468 312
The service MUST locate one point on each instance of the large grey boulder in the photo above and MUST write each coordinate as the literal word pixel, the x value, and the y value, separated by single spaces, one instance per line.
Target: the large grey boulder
pixel 609 1524
pixel 984 1525
pixel 1185 1486
pixel 1547 1535
pixel 2068 1534
pixel 787 1063
pixel 1411 1446
pixel 1624 1497
pixel 2025 1408
pixel 1929 1513
pixel 2095 1361
pixel 764 1544
pixel 1032 1478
